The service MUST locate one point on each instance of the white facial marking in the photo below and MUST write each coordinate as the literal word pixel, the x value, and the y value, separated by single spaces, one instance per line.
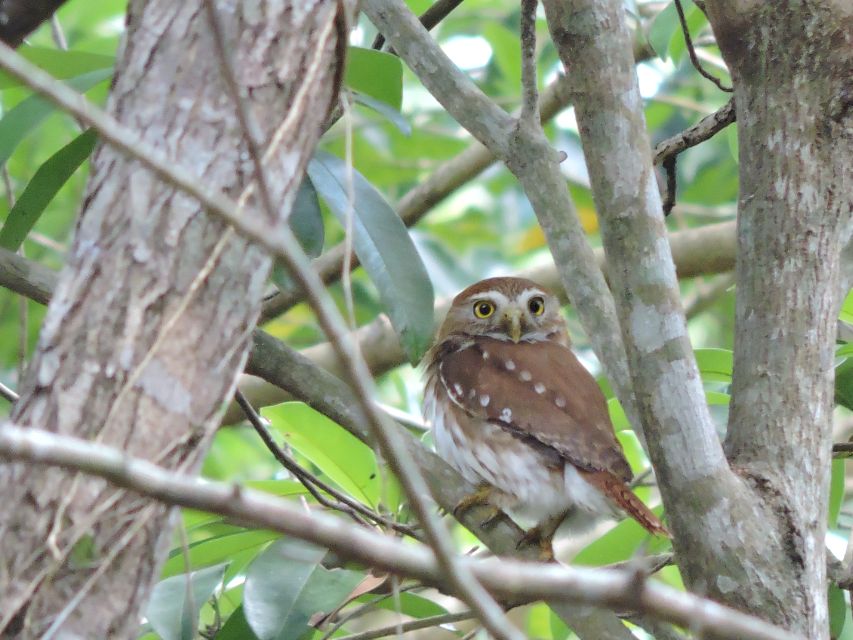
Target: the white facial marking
pixel 525 376
pixel 560 402
pixel 484 400
pixel 539 388
pixel 510 365
pixel 506 414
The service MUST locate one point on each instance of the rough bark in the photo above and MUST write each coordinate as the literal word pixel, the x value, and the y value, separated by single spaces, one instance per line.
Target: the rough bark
pixel 138 349
pixel 791 71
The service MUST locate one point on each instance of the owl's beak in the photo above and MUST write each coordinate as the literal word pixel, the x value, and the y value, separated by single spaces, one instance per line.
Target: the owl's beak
pixel 512 317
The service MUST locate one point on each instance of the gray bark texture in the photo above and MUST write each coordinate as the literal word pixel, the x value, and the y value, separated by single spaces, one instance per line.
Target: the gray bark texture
pixel 791 69
pixel 749 526
pixel 152 317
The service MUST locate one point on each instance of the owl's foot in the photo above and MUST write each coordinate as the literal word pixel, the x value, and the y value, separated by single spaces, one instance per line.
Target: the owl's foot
pixel 481 497
pixel 538 537
pixel 542 535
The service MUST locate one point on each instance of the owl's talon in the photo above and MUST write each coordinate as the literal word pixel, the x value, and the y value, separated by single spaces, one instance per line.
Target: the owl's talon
pixel 494 515
pixel 537 536
pixel 479 498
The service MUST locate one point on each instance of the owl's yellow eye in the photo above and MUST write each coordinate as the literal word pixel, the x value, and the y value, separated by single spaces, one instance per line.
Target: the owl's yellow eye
pixel 483 308
pixel 536 306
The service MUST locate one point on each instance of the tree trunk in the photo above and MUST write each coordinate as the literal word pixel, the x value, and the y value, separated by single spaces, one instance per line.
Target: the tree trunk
pixel 794 98
pixel 748 531
pixel 151 320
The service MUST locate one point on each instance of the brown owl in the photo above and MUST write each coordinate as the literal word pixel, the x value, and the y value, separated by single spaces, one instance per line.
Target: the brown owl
pixel 514 411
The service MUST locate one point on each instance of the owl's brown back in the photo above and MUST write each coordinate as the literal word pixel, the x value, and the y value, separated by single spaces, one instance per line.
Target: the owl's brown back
pixel 538 391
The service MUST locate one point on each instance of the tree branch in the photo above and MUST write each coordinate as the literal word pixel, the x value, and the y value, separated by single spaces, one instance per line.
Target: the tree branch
pixel 437 12
pixel 513 580
pixel 529 91
pixel 704 250
pixel 705 129
pixel 667 151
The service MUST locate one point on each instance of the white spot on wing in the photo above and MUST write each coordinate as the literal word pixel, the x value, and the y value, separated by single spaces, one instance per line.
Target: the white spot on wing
pixel 506 414
pixel 471 393
pixel 560 402
pixel 484 400
pixel 525 376
pixel 510 365
pixel 458 389
pixel 485 355
pixel 539 388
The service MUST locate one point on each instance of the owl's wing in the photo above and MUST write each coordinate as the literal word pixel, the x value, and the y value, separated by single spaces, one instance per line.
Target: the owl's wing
pixel 536 391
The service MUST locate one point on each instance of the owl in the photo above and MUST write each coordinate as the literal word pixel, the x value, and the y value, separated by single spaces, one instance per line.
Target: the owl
pixel 515 413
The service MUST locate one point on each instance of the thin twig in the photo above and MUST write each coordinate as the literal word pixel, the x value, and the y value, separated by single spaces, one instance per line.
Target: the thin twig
pixel 692 51
pixel 842 450
pixel 667 151
pixel 312 483
pixel 439 10
pixel 706 128
pixel 668 201
pixel 8 393
pixel 505 577
pixel 365 608
pixel 411 625
pixel 488 611
pixel 530 93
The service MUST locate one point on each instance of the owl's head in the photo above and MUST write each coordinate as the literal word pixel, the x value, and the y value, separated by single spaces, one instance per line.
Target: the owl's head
pixel 512 309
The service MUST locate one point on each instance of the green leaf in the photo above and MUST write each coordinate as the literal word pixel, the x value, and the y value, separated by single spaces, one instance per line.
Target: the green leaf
pixel 620 543
pixel 215 549
pixel 21 120
pixel 286 585
pixel 410 604
pixel 844 384
pixel 837 611
pixel 715 365
pixel 847 309
pixel 695 20
pixel 376 74
pixel 236 627
pixel 347 461
pixel 384 247
pixel 661 32
pixel 43 186
pixel 505 50
pixel 393 115
pixel 306 219
pixel 60 64
pixel 559 630
pixel 171 613
pixel 836 492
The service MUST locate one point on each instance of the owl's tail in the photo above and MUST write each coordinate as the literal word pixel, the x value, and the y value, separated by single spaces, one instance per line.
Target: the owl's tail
pixel 621 495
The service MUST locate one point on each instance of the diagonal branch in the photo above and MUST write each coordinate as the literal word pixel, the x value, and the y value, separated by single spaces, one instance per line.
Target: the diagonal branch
pixel 390 442
pixel 510 579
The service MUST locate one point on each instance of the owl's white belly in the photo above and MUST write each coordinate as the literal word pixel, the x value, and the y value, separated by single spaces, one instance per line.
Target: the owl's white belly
pixel 528 488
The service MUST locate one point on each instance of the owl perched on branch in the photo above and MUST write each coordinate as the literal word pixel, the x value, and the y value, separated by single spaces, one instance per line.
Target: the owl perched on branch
pixel 515 413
